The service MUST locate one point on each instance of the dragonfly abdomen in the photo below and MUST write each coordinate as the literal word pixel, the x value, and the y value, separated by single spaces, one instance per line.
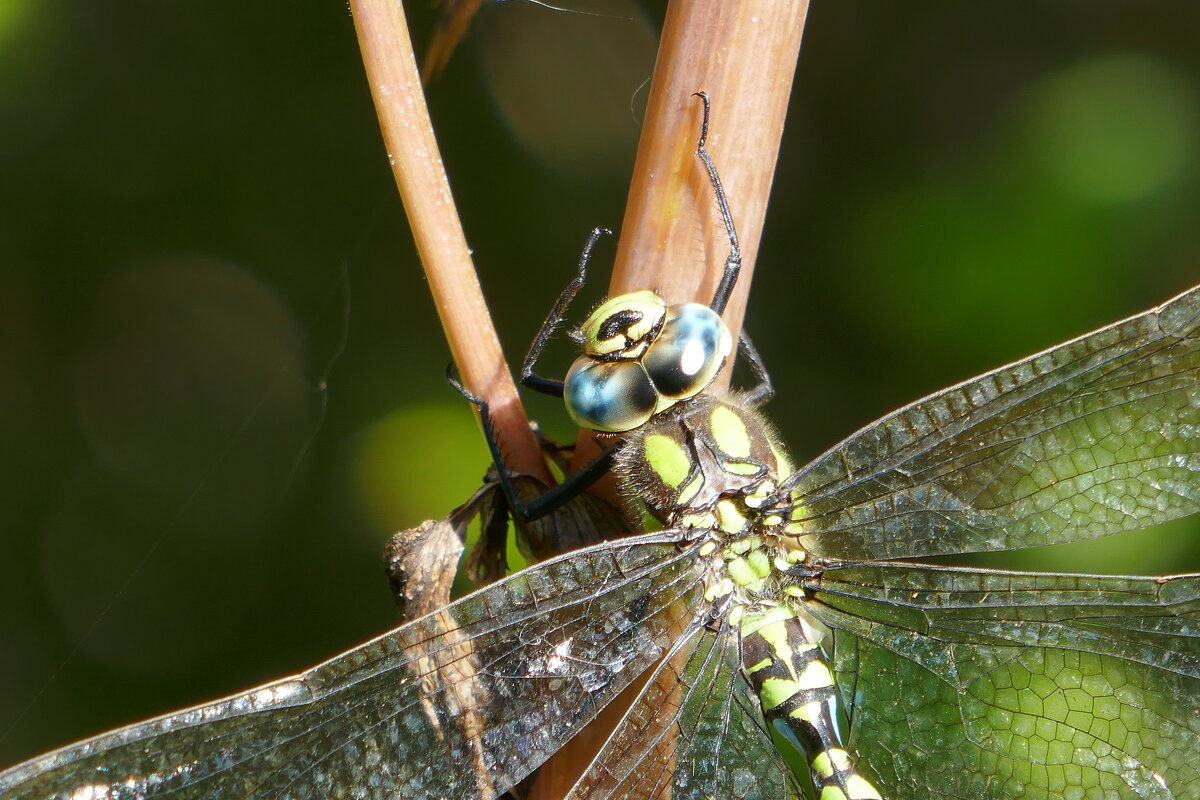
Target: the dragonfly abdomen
pixel 795 686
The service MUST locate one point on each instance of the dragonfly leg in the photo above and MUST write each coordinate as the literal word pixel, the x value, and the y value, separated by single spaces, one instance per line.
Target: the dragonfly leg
pixel 764 388
pixel 733 262
pixel 795 685
pixel 553 499
pixel 558 312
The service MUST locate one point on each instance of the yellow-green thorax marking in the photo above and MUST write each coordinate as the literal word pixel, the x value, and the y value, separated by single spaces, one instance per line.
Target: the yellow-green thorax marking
pixel 705 463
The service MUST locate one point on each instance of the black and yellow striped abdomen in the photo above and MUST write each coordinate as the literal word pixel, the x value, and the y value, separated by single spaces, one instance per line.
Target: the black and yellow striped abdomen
pixel 795 685
pixel 715 463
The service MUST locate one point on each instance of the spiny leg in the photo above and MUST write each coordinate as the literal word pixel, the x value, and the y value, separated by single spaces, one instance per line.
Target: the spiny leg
pixel 579 481
pixel 794 683
pixel 764 388
pixel 733 262
pixel 554 318
pixel 554 498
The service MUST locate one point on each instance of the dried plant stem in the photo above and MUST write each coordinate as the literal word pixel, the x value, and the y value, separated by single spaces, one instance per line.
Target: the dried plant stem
pixel 673 239
pixel 417 166
pixel 744 56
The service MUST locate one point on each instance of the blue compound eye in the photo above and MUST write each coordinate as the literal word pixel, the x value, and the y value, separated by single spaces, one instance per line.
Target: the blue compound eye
pixel 688 352
pixel 612 397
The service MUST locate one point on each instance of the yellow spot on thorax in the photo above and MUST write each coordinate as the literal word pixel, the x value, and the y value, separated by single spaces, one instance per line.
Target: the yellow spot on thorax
pixel 743 546
pixel 759 562
pixel 687 493
pixel 721 588
pixel 741 573
pixel 741 467
pixel 702 519
pixel 731 518
pixel 783 464
pixel 667 458
pixel 729 432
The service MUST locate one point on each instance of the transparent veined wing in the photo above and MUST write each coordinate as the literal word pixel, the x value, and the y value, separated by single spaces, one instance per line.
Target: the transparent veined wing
pixel 1094 436
pixel 980 684
pixel 696 731
pixel 462 703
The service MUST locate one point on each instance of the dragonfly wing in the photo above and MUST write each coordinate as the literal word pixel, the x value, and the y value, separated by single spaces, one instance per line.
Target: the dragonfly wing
pixel 695 731
pixel 461 703
pixel 991 685
pixel 1094 436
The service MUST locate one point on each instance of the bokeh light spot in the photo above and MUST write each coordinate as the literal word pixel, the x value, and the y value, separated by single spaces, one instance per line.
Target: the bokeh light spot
pixel 193 382
pixel 417 463
pixel 1115 129
pixel 567 83
pixel 14 17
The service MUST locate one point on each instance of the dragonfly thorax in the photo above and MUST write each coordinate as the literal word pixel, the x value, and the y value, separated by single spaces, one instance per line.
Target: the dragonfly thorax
pixel 707 463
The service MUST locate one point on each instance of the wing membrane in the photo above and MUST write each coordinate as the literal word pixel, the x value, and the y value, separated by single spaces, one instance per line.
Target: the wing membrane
pixel 696 731
pixel 1097 435
pixel 993 685
pixel 461 703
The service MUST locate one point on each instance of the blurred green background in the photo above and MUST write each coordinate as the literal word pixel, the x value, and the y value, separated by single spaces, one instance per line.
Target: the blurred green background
pixel 223 374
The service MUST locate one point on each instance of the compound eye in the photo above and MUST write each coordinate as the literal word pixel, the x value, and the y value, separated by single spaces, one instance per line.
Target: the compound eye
pixel 688 352
pixel 612 397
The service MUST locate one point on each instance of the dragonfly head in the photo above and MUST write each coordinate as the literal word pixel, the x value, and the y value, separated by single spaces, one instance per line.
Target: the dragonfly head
pixel 640 357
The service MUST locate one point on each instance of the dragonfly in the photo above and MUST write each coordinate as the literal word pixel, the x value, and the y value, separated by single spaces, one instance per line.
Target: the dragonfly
pixel 770 607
